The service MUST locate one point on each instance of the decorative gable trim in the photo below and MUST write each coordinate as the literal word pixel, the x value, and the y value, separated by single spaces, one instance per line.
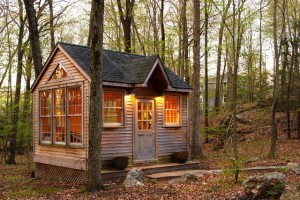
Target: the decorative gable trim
pixel 57 47
pixel 59 64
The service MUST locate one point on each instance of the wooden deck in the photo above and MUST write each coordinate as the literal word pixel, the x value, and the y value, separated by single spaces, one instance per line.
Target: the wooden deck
pixel 110 175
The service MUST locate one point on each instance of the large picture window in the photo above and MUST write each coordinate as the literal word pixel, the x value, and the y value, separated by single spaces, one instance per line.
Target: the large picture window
pixel 113 108
pixel 172 111
pixel 61 116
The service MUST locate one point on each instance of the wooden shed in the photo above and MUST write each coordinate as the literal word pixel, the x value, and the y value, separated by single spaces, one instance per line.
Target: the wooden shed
pixel 145 110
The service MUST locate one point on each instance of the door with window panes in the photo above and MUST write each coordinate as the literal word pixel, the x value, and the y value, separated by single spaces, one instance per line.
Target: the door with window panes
pixel 145 130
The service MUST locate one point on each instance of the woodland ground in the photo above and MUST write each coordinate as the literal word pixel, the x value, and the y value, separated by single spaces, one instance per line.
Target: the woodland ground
pixel 254 141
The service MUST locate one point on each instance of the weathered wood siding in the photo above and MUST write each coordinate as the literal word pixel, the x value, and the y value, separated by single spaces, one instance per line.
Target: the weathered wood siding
pixel 172 139
pixel 118 141
pixel 168 139
pixel 64 156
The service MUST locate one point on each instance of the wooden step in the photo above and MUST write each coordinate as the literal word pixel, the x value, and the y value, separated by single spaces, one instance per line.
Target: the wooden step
pixel 112 175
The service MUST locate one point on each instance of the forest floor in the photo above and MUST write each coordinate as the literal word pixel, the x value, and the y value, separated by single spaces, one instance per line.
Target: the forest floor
pixel 254 132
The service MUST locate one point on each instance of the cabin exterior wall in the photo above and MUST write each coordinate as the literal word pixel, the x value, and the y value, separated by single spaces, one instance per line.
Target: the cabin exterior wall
pixel 116 141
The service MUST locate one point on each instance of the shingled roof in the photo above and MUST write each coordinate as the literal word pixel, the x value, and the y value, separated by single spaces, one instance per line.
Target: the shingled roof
pixel 121 67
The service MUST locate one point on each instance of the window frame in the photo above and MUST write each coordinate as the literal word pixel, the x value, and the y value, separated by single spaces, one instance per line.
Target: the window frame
pixel 74 115
pixel 123 111
pixel 179 111
pixel 68 143
pixel 45 116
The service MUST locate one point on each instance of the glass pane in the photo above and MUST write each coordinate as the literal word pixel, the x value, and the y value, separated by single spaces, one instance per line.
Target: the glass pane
pixel 171 112
pixel 46 128
pixel 60 129
pixel 113 107
pixel 75 129
pixel 46 102
pixel 59 101
pixel 140 125
pixel 74 100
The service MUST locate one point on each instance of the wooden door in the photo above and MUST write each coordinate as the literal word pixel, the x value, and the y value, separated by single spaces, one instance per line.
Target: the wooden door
pixel 145 130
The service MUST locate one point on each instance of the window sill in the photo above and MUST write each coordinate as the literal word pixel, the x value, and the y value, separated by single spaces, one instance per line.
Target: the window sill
pixel 172 126
pixel 63 146
pixel 109 127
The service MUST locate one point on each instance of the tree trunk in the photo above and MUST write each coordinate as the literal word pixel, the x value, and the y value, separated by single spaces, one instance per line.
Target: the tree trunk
pixel 272 152
pixel 206 71
pixel 95 119
pixel 51 24
pixel 219 57
pixel 34 36
pixel 185 45
pixel 162 30
pixel 126 22
pixel 15 115
pixel 196 147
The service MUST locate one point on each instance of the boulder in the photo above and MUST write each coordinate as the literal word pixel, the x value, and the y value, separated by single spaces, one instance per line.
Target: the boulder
pixel 293 168
pixel 265 186
pixel 291 193
pixel 135 177
pixel 184 178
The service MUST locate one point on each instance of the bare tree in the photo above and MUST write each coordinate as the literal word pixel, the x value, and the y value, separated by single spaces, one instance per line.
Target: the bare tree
pixel 272 152
pixel 95 119
pixel 126 21
pixel 15 115
pixel 219 56
pixel 34 36
pixel 196 146
pixel 206 70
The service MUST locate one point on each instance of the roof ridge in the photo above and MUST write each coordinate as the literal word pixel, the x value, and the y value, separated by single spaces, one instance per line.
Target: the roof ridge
pixel 71 44
pixel 121 52
pixel 115 51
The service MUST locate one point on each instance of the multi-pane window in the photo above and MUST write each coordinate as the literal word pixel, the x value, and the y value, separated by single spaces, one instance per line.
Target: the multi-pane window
pixel 61 116
pixel 75 111
pixel 46 116
pixel 113 108
pixel 144 116
pixel 172 111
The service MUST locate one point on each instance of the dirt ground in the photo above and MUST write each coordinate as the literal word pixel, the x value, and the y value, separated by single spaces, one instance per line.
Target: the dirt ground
pixel 254 132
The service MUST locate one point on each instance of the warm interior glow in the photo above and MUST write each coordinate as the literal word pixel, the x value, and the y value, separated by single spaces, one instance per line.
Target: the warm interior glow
pixel 113 108
pixel 171 110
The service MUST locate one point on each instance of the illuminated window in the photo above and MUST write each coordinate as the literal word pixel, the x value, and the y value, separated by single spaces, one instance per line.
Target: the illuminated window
pixel 59 73
pixel 144 116
pixel 46 116
pixel 60 116
pixel 113 108
pixel 75 111
pixel 61 121
pixel 171 111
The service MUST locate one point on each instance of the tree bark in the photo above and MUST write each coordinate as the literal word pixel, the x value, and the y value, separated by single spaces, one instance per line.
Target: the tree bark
pixel 95 119
pixel 162 30
pixel 34 36
pixel 272 151
pixel 15 115
pixel 219 57
pixel 126 22
pixel 206 71
pixel 196 146
pixel 50 2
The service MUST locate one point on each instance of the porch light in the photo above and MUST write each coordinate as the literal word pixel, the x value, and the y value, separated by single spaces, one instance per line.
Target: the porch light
pixel 131 93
